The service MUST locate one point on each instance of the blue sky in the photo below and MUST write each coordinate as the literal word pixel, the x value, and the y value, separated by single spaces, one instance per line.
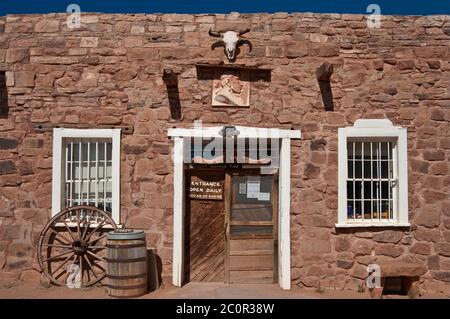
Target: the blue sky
pixel 400 7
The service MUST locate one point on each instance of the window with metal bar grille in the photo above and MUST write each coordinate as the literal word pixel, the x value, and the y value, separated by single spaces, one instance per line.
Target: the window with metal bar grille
pixel 87 172
pixel 371 180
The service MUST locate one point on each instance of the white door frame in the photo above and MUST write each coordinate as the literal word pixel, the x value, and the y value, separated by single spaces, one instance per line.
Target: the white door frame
pixel 284 188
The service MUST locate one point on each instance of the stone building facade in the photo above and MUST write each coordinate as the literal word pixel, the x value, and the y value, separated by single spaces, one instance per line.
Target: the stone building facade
pixel 109 73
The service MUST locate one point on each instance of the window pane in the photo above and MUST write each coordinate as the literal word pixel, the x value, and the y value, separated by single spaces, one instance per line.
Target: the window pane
pixel 385 190
pixel 350 190
pixel 75 170
pixel 84 170
pixel 367 190
pixel 375 205
pixel 92 152
pixel 367 169
pixel 367 205
pixel 384 169
pixel 367 151
pixel 357 190
pixel 384 150
pixel 376 190
pixel 69 152
pixel 350 150
pixel 350 209
pixel 101 151
pixel 76 151
pixel 375 170
pixel 358 169
pixel 371 164
pixel 358 150
pixel 350 169
pixel 109 151
pixel 238 230
pixel 358 209
pixel 109 170
pixel 101 170
pixel 84 151
pixel 384 209
pixel 391 215
pixel 252 213
pixel 92 177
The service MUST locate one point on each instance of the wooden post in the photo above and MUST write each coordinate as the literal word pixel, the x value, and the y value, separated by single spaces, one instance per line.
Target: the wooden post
pixel 170 78
pixel 324 72
pixel 323 75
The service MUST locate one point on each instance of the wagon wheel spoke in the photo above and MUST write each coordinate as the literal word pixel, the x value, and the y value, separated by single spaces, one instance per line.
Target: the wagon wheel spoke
pixel 78 225
pixel 62 264
pixel 90 266
pixel 81 270
pixel 93 241
pixel 62 242
pixel 68 229
pixel 66 242
pixel 64 269
pixel 98 266
pixel 95 256
pixel 82 245
pixel 96 228
pixel 86 227
pixel 56 246
pixel 57 256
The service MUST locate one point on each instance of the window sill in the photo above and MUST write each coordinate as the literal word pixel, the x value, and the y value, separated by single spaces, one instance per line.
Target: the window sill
pixel 355 225
pixel 92 225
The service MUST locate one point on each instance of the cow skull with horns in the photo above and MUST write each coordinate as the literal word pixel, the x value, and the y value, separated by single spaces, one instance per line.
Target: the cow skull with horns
pixel 231 41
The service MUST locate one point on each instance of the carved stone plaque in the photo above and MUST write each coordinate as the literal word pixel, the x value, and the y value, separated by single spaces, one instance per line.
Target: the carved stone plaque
pixel 231 88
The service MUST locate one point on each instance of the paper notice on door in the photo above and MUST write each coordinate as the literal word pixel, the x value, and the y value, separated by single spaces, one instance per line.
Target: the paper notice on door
pixel 264 196
pixel 242 188
pixel 253 189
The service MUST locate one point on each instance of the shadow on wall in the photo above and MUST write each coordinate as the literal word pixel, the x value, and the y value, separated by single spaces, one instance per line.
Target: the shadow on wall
pixel 4 109
pixel 171 80
pixel 154 270
pixel 323 75
pixel 213 72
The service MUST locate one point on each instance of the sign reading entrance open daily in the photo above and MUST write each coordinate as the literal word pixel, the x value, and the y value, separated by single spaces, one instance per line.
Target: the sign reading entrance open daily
pixel 200 189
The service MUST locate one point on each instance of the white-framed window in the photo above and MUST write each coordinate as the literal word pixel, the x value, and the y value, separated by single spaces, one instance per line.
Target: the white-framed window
pixel 86 169
pixel 372 175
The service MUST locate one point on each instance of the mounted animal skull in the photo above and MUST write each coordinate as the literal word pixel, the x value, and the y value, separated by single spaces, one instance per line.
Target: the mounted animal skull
pixel 231 41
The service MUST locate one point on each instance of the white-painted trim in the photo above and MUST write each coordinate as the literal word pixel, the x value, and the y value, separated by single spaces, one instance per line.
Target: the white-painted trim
pixel 284 238
pixel 373 129
pixel 56 171
pixel 178 213
pixel 402 149
pixel 284 204
pixel 58 135
pixel 366 224
pixel 244 132
pixel 115 169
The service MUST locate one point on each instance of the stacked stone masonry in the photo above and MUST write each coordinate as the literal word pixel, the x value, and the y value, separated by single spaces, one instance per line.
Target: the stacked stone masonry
pixel 109 73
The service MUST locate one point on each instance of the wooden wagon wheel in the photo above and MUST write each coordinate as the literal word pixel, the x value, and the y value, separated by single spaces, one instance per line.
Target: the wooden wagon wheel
pixel 72 247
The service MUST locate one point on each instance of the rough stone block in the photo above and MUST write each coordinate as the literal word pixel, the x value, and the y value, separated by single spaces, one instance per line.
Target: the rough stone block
pixel 89 42
pixel 7 167
pixel 8 143
pixel 388 236
pixel 47 25
pixel 24 78
pixel 16 55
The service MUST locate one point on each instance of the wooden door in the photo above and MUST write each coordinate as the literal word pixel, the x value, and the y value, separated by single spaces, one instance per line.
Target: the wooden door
pixel 251 207
pixel 205 226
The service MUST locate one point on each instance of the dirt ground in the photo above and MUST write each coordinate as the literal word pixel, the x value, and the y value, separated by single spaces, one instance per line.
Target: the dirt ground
pixel 26 290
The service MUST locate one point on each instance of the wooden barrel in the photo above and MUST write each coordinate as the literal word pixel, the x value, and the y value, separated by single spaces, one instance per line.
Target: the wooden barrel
pixel 127 263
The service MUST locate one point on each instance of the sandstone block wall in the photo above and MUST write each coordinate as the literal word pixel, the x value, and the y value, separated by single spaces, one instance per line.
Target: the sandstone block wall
pixel 109 72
